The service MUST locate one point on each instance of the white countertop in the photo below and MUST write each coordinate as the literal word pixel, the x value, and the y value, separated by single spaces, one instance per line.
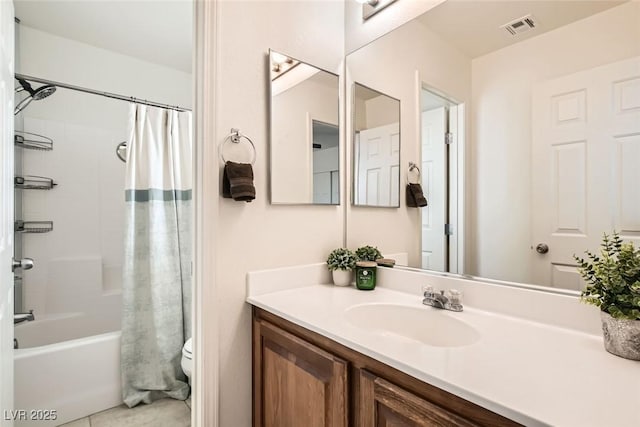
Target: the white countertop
pixel 532 373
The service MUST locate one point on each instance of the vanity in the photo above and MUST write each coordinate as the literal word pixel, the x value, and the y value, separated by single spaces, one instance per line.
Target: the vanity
pixel 325 355
pixel 304 378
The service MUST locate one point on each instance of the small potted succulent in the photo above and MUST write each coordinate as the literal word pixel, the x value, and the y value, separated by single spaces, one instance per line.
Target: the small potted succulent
pixel 366 267
pixel 368 253
pixel 613 284
pixel 341 262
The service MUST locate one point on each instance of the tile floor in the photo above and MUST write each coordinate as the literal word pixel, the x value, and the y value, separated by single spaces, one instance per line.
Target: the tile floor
pixel 161 413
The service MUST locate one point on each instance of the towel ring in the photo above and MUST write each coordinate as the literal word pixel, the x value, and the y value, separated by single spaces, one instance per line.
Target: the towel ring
pixel 121 151
pixel 236 137
pixel 413 166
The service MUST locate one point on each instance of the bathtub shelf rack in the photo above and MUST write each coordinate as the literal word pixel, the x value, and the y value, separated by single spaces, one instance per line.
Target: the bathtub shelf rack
pixel 32 141
pixel 33 182
pixel 33 226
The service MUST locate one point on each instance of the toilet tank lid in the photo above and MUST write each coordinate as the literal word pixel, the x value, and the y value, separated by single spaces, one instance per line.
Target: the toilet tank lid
pixel 188 346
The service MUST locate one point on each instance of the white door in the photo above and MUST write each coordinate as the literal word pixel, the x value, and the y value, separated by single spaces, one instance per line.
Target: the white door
pixel 434 169
pixel 325 172
pixel 6 211
pixel 322 187
pixel 378 166
pixel 586 157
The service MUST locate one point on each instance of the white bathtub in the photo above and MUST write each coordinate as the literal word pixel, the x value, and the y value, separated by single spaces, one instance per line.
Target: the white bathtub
pixel 76 377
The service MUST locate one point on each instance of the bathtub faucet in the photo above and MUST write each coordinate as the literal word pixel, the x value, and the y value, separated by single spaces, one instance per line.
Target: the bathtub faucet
pixel 23 317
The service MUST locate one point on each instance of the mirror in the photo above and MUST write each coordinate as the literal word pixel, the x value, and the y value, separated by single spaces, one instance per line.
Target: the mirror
pixel 376 148
pixel 543 135
pixel 305 133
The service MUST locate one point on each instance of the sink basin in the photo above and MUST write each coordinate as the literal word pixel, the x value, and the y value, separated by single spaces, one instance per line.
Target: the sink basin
pixel 427 325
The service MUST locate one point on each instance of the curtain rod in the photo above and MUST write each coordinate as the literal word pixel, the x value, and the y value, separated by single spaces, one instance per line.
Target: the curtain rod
pixel 101 93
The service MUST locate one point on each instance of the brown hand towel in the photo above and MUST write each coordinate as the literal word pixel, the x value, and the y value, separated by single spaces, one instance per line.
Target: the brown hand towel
pixel 237 182
pixel 415 197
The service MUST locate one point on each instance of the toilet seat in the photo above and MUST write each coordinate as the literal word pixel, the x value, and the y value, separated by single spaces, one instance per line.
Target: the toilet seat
pixel 186 362
pixel 187 349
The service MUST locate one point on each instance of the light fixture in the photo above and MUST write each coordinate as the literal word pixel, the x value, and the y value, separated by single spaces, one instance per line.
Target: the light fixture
pixel 371 7
pixel 280 63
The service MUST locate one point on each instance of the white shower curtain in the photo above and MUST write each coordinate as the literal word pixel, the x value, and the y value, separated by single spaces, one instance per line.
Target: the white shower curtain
pixel 157 269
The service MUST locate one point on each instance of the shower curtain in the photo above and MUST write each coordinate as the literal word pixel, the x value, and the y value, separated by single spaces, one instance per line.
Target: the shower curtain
pixel 156 289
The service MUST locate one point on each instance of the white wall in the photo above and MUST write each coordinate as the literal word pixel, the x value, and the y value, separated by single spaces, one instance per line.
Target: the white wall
pixel 501 124
pixel 390 65
pixel 78 266
pixel 258 235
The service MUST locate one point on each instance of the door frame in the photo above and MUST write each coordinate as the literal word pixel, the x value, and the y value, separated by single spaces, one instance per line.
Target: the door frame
pixel 7 289
pixel 456 176
pixel 205 378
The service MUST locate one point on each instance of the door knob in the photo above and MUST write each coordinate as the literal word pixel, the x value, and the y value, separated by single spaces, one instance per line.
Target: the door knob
pixel 24 264
pixel 542 248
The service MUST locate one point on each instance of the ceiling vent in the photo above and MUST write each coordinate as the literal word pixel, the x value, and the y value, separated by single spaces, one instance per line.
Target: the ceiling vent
pixel 520 25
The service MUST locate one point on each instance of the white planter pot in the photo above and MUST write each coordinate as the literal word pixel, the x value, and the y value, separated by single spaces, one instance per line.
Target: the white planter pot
pixel 621 336
pixel 342 277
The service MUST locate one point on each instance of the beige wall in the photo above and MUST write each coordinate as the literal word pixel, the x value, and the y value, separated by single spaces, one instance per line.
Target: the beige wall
pixel 501 125
pixel 258 235
pixel 291 152
pixel 381 111
pixel 390 65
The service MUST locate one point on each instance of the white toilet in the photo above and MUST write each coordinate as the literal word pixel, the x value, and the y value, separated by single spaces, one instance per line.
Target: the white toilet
pixel 187 357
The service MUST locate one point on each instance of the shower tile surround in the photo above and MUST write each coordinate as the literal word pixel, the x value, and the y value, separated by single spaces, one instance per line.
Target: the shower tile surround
pixel 78 264
pixel 542 361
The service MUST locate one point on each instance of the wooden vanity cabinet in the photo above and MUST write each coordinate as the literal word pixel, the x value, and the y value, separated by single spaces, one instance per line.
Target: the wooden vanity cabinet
pixel 383 404
pixel 304 379
pixel 297 383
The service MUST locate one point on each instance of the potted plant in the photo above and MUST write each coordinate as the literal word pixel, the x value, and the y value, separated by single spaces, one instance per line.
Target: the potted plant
pixel 368 253
pixel 341 262
pixel 613 284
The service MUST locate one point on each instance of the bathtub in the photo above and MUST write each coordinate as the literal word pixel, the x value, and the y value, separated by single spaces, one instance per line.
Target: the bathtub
pixel 75 377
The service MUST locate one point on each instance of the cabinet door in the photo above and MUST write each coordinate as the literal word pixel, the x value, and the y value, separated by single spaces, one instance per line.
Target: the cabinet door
pixel 382 404
pixel 297 384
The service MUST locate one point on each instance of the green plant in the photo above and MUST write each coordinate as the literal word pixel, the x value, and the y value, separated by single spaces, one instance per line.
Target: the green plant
pixel 613 278
pixel 341 259
pixel 368 253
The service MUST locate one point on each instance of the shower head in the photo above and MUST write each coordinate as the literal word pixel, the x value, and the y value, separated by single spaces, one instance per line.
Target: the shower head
pixel 43 91
pixel 34 94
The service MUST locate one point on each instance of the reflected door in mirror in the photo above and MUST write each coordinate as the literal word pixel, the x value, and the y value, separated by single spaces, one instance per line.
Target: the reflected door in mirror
pixel 434 185
pixel 586 148
pixel 376 148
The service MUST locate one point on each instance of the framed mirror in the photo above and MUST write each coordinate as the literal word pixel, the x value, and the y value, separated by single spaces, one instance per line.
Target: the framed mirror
pixel 376 148
pixel 305 133
pixel 547 125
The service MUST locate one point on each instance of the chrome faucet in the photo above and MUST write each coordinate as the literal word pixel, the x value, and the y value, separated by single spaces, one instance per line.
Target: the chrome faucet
pixel 23 317
pixel 439 300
